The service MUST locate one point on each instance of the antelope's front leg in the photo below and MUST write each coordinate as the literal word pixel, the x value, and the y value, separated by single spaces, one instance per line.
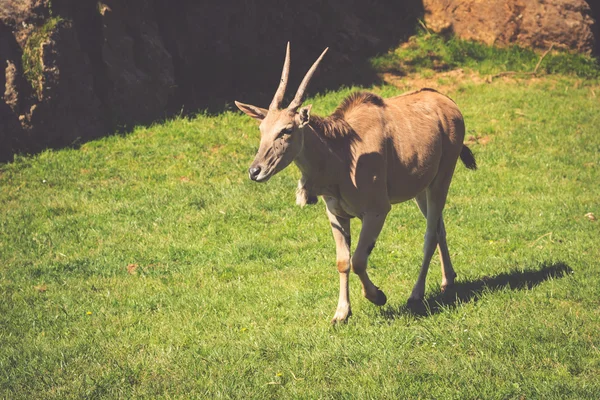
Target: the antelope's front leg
pixel 372 223
pixel 341 234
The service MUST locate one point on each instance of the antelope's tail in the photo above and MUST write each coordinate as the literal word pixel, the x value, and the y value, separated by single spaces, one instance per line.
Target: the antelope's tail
pixel 467 157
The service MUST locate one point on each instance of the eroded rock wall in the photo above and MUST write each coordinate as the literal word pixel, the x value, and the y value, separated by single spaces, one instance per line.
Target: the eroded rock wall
pixel 72 70
pixel 568 24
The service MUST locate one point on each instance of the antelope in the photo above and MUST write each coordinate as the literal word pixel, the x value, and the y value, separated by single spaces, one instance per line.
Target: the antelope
pixel 369 154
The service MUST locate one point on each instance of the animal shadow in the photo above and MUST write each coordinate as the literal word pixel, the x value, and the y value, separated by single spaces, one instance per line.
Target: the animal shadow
pixel 471 291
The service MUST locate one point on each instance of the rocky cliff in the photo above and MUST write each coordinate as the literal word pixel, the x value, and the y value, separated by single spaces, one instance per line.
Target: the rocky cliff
pixel 568 24
pixel 77 69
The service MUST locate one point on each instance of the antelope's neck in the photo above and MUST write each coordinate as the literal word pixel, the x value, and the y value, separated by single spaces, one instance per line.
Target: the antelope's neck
pixel 321 163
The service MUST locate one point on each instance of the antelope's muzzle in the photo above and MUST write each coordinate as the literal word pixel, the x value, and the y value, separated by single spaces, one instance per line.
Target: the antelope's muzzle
pixel 254 172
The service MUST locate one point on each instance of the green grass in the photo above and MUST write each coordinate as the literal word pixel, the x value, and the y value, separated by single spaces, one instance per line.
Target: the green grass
pixel 428 52
pixel 233 285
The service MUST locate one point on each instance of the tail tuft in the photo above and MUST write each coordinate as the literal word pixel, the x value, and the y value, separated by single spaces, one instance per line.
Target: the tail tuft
pixel 467 157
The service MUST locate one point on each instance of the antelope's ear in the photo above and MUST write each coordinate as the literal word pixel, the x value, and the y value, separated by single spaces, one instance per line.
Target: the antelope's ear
pixel 253 111
pixel 303 116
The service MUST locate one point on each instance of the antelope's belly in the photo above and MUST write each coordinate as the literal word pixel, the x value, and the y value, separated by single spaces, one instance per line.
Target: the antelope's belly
pixel 406 188
pixel 337 206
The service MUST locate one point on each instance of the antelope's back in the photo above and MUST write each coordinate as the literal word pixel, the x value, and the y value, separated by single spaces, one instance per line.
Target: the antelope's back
pixel 426 109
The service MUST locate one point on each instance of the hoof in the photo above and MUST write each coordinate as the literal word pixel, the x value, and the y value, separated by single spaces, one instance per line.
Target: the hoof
pixel 340 318
pixel 448 284
pixel 379 300
pixel 416 306
pixel 414 301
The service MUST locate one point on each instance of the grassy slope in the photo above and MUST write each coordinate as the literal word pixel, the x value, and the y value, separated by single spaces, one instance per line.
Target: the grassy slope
pixel 235 285
pixel 426 52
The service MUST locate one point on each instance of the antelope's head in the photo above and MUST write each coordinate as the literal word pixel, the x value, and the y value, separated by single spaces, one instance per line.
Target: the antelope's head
pixel 281 130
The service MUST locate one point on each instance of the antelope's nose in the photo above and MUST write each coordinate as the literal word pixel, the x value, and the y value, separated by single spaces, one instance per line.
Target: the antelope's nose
pixel 253 172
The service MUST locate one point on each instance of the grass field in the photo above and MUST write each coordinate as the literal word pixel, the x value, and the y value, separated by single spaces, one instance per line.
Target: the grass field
pixel 148 265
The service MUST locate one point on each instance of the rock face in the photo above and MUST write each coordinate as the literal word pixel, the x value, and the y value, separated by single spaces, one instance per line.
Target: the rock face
pixel 569 24
pixel 49 95
pixel 72 70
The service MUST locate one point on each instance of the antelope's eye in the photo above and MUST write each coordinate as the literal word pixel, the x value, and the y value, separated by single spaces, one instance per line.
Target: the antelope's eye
pixel 285 131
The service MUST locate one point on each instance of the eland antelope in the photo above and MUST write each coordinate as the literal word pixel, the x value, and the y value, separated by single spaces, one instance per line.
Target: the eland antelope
pixel 369 154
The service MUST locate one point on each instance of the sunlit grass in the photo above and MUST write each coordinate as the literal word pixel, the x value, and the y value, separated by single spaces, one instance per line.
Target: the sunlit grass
pixel 429 52
pixel 148 265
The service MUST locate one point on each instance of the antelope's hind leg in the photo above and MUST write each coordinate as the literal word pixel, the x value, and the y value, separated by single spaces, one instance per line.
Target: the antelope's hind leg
pixel 341 234
pixel 448 274
pixel 435 199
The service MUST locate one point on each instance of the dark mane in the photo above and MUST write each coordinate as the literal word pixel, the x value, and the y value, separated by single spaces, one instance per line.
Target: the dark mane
pixel 355 99
pixel 332 127
pixel 335 127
